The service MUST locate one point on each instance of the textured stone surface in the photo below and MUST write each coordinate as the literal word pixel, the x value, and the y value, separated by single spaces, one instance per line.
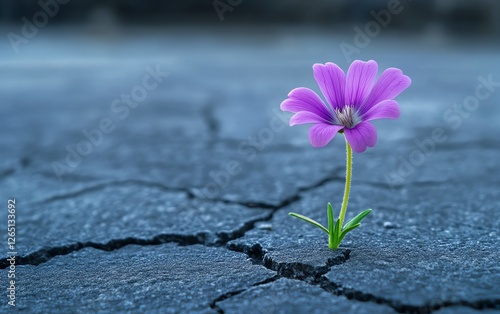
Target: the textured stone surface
pixel 409 273
pixel 407 253
pixel 286 296
pixel 129 212
pixel 464 310
pixel 164 278
pixel 430 244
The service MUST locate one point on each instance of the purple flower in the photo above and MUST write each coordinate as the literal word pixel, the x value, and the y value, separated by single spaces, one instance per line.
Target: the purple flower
pixel 352 101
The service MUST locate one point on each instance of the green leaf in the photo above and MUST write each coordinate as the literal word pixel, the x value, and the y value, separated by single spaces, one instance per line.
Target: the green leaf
pixel 331 227
pixel 346 230
pixel 356 220
pixel 337 232
pixel 309 220
pixel 331 220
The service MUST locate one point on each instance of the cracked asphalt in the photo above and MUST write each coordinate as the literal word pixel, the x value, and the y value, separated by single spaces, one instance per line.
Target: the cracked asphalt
pixel 182 208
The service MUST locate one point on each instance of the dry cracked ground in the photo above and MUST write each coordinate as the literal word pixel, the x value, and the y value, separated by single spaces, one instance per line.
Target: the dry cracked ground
pixel 182 208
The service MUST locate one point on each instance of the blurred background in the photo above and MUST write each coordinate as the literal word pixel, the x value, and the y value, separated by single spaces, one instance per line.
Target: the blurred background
pixel 225 66
pixel 479 17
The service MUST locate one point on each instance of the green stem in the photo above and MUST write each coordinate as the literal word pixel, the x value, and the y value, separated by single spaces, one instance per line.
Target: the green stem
pixel 348 175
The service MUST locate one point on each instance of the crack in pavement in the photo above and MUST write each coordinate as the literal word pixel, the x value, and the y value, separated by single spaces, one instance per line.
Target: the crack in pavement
pixel 164 188
pixel 104 185
pixel 190 194
pixel 307 273
pixel 400 307
pixel 213 304
pixel 314 275
pixel 332 177
pixel 304 272
pixel 217 239
pixel 43 255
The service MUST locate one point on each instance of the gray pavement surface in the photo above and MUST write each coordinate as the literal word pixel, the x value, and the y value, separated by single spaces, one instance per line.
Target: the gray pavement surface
pixel 182 208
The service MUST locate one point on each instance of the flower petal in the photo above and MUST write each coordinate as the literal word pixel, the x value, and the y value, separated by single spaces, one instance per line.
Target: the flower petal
pixel 304 99
pixel 362 135
pixel 359 82
pixel 322 134
pixel 386 109
pixel 331 81
pixel 304 117
pixel 390 84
